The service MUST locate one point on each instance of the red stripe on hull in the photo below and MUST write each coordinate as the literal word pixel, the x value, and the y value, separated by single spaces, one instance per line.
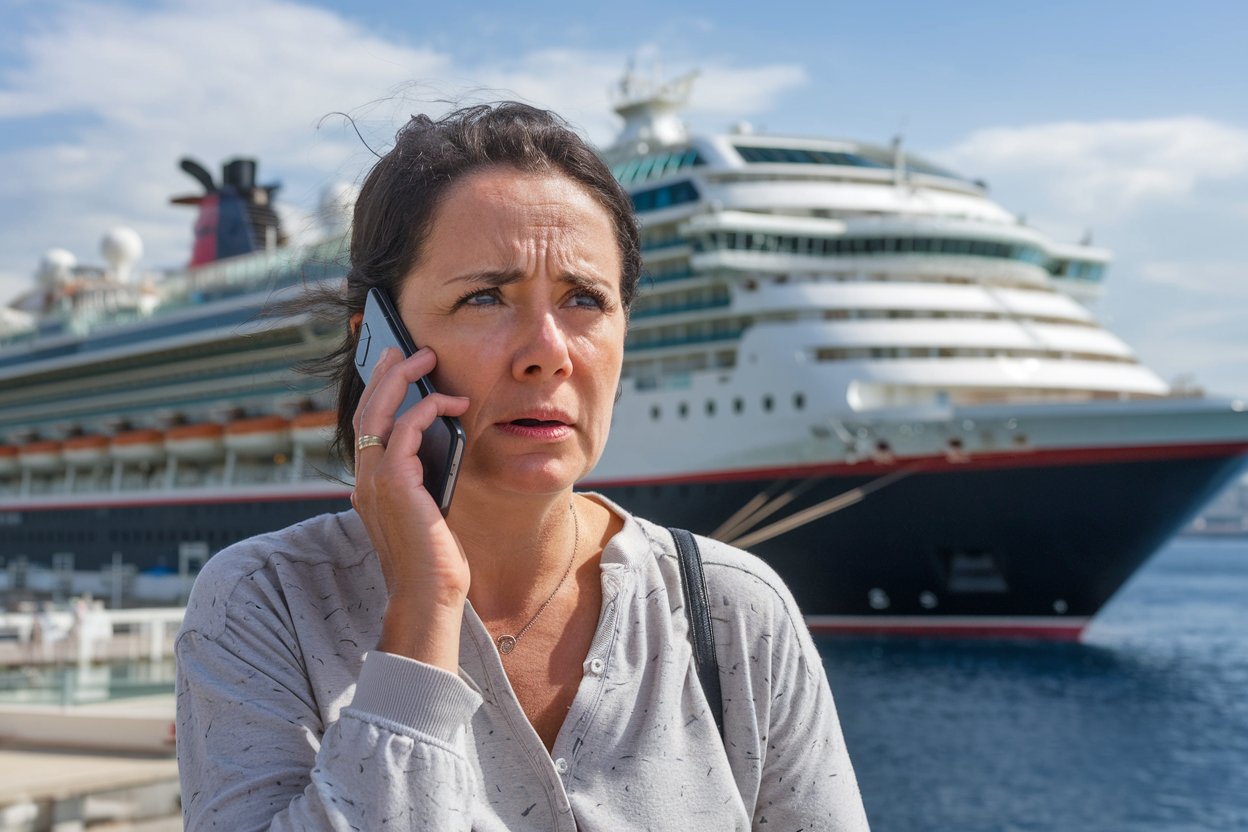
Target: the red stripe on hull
pixel 189 498
pixel 937 464
pixel 988 630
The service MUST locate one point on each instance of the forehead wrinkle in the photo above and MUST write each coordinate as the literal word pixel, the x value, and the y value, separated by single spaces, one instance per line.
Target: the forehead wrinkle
pixel 490 277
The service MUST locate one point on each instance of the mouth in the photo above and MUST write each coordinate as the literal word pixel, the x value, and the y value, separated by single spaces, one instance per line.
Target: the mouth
pixel 545 425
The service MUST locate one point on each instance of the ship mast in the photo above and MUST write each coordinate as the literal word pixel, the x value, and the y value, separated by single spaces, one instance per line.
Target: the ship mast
pixel 651 111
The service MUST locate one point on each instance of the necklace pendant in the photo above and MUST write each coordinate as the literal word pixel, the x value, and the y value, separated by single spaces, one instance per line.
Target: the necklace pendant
pixel 506 644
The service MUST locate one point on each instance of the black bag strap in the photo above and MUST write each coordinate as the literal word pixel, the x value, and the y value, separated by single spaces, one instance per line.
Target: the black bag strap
pixel 698 608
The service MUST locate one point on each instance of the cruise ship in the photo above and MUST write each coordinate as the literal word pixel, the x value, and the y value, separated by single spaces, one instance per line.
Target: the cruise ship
pixel 843 357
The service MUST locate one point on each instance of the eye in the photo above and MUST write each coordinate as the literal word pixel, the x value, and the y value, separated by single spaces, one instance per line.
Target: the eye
pixel 479 297
pixel 590 299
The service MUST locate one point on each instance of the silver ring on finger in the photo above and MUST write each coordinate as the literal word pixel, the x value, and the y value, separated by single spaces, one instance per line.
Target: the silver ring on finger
pixel 368 440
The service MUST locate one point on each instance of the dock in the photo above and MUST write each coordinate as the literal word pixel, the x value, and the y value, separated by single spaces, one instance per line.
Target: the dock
pixel 76 750
pixel 63 769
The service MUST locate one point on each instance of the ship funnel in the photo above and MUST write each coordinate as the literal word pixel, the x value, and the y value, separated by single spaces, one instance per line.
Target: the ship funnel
pixel 235 218
pixel 240 174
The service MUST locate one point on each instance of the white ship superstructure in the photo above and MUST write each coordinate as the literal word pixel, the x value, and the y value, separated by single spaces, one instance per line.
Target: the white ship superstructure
pixel 847 279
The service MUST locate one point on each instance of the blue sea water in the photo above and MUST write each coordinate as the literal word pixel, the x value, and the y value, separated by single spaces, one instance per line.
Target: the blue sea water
pixel 1143 726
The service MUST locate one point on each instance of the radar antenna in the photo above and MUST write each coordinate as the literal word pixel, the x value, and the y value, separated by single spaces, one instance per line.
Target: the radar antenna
pixel 650 108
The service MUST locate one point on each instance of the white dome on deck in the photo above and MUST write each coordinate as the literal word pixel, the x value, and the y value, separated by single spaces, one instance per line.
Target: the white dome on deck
pixel 122 247
pixel 56 267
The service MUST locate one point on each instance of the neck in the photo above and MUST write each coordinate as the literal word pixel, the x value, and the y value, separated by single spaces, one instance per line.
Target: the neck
pixel 517 547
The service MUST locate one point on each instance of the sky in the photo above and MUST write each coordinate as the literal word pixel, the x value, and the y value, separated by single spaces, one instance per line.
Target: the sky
pixel 1123 119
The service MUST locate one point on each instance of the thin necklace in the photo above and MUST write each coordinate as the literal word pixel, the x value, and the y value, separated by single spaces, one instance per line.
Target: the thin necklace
pixel 508 643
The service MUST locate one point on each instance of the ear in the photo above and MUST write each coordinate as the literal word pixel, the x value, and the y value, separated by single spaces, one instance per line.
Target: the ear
pixel 354 323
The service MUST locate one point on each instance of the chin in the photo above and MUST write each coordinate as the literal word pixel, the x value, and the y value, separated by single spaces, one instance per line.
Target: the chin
pixel 527 477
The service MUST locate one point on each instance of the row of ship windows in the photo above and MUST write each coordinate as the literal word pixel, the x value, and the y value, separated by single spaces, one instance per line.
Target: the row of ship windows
pixel 835 246
pixel 647 372
pixel 710 407
pixel 656 164
pixel 248 370
pixel 687 334
pixel 679 269
pixel 71 537
pixel 718 296
pixel 665 196
pixel 874 353
pixel 666 237
pixel 810 156
pixel 145 535
pixel 670 303
pixel 250 345
pixel 208 534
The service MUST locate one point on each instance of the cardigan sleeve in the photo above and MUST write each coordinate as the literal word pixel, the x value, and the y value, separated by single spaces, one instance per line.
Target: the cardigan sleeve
pixel 253 752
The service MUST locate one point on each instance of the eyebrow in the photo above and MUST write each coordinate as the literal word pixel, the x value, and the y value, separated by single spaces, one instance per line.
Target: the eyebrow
pixel 495 279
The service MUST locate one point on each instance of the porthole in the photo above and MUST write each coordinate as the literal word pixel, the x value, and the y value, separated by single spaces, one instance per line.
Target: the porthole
pixel 768 403
pixel 683 410
pixel 738 405
pixel 799 401
pixel 655 413
pixel 710 407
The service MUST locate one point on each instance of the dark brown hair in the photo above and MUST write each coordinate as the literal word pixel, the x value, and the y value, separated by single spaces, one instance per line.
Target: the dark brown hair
pixel 399 200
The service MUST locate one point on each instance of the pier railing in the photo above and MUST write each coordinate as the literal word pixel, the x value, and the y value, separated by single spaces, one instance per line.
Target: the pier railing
pixel 87 634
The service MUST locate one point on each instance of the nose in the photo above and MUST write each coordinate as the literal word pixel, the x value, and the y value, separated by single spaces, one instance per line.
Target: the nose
pixel 542 351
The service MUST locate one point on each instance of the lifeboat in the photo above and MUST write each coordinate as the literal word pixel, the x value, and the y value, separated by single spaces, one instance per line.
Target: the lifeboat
pixel 142 445
pixel 85 450
pixel 261 436
pixel 40 456
pixel 8 460
pixel 195 442
pixel 314 431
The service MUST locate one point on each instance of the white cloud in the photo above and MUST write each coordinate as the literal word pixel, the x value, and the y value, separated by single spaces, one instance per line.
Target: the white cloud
pixel 1166 195
pixel 1107 169
pixel 1226 277
pixel 249 77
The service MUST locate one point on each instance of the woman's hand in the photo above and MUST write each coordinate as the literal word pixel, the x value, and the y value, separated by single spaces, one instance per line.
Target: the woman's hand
pixel 426 573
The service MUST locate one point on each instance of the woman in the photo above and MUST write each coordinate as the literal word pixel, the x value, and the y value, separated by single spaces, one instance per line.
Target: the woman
pixel 522 663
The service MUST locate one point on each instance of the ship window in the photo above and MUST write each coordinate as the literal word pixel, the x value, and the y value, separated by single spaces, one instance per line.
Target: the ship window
pixel 768 403
pixel 710 407
pixel 799 401
pixel 665 196
pixel 738 405
pixel 683 410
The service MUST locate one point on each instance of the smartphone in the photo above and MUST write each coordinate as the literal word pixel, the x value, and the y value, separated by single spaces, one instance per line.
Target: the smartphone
pixel 442 446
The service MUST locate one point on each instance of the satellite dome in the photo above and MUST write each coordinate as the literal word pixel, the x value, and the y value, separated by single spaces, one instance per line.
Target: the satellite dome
pixel 55 267
pixel 337 206
pixel 121 248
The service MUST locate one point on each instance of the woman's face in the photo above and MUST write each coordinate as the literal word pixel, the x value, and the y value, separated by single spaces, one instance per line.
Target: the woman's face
pixel 517 291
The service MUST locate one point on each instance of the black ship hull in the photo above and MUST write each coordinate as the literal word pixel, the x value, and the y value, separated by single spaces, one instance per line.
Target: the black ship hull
pixel 1007 546
pixel 1030 545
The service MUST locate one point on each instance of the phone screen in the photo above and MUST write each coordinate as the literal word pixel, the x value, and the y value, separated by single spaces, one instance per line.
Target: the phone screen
pixel 442 446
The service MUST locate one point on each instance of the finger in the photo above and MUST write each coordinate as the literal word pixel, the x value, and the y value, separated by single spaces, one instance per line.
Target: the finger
pixel 410 428
pixel 377 414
